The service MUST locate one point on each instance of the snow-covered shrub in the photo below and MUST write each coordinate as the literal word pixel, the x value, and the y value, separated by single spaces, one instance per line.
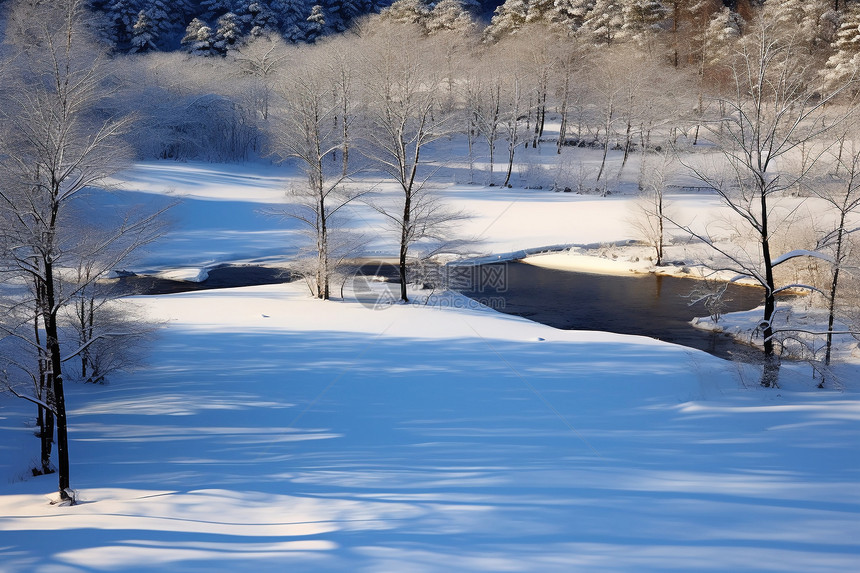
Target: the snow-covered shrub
pixel 576 177
pixel 535 175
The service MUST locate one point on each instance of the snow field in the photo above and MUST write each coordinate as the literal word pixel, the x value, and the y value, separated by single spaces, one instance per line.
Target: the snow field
pixel 271 431
pixel 276 431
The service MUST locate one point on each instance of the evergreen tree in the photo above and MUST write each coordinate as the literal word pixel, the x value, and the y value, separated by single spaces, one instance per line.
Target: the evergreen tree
pixel 540 11
pixel 264 21
pixel 352 9
pixel 315 24
pixel 293 15
pixel 642 19
pixel 244 10
pixel 408 12
pixel 227 33
pixel 452 15
pixel 723 31
pixel 690 21
pixel 507 19
pixel 163 21
pixel 570 14
pixel 808 22
pixel 198 38
pixel 215 9
pixel 845 61
pixel 255 17
pixel 121 15
pixel 144 34
pixel 183 10
pixel 335 14
pixel 604 22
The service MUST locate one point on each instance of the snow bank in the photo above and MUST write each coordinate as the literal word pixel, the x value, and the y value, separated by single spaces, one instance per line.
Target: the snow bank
pixel 189 274
pixel 277 432
pixel 569 261
pixel 274 432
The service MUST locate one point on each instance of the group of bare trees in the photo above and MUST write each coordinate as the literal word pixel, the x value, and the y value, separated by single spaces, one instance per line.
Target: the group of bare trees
pixel 377 100
pixel 764 108
pixel 59 139
pixel 314 117
pixel 376 96
pixel 770 113
pixel 779 134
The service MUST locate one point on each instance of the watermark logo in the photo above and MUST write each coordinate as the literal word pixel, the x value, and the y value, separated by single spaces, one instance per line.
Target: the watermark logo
pixel 480 279
pixel 375 288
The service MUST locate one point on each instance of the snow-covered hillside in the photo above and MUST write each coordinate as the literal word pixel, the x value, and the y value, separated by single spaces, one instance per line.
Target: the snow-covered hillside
pixel 271 431
pixel 276 432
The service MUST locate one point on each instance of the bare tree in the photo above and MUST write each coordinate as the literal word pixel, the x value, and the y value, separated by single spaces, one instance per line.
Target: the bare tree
pixel 538 50
pixel 569 87
pixel 108 333
pixel 483 95
pixel 262 58
pixel 652 216
pixel 309 133
pixel 22 355
pixel 513 95
pixel 607 79
pixel 193 108
pixel 340 67
pixel 772 113
pixel 515 107
pixel 402 118
pixel 58 143
pixel 842 193
pixel 633 80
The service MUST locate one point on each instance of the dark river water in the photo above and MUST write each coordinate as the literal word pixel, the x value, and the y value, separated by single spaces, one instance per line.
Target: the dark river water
pixel 648 305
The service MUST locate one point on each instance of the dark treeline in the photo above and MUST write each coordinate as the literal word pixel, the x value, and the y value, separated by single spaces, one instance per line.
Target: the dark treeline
pixel 213 26
pixel 162 25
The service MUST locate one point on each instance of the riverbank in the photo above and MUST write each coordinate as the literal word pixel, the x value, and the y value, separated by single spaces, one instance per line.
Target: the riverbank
pixel 801 322
pixel 643 304
pixel 627 257
pixel 221 221
pixel 279 432
pixel 272 431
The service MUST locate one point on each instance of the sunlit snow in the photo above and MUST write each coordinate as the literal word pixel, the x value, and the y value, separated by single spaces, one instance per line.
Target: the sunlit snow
pixel 273 432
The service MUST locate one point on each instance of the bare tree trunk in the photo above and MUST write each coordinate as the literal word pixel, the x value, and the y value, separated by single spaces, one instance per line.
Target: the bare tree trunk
pixel 627 133
pixel 404 248
pixel 513 128
pixel 700 112
pixel 345 123
pixel 56 381
pixel 771 365
pixel 540 110
pixel 44 417
pixel 606 142
pixel 511 149
pixel 491 136
pixel 834 285
pixel 471 139
pixel 324 292
pixel 562 130
pixel 542 115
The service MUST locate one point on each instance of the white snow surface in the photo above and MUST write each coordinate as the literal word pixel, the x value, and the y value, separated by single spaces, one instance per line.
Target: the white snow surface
pixel 274 432
pixel 221 214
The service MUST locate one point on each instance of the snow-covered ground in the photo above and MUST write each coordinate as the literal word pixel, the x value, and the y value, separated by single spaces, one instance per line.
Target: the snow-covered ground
pixel 275 432
pixel 271 432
